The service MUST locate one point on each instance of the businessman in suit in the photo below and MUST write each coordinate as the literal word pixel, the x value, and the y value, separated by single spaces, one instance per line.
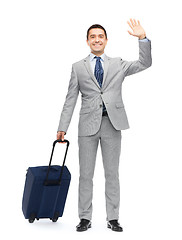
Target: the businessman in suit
pixel 102 116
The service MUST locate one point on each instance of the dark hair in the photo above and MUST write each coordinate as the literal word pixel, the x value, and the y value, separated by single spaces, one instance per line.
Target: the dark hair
pixel 96 26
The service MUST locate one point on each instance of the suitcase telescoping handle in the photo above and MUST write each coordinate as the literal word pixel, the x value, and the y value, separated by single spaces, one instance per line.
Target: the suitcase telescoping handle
pixel 56 182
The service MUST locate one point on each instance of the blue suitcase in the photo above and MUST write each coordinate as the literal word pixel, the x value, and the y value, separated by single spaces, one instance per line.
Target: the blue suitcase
pixel 46 189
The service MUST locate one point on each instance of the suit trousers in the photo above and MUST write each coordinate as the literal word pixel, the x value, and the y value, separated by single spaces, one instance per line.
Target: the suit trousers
pixel 110 142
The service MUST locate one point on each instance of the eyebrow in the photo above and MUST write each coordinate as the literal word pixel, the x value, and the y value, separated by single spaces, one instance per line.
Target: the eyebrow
pixel 95 34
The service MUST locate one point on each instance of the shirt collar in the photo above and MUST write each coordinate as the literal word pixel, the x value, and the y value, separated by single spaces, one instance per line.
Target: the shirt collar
pixel 92 57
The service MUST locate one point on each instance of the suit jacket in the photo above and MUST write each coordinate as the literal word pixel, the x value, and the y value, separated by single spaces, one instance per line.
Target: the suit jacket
pixel 83 81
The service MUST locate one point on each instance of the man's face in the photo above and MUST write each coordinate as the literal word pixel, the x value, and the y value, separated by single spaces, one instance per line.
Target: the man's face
pixel 97 41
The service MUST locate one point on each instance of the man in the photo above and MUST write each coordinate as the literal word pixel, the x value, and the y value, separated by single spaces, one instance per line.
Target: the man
pixel 102 117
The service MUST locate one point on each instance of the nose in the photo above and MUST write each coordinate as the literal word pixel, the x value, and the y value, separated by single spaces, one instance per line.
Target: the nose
pixel 97 39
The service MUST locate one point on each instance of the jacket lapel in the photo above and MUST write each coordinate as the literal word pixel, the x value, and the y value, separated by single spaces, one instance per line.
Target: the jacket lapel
pixel 106 67
pixel 87 65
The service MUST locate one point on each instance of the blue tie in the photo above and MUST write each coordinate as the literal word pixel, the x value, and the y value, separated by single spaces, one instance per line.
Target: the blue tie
pixel 99 71
pixel 99 74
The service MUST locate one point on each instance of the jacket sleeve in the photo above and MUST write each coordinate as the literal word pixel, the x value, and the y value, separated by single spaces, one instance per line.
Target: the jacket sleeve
pixel 70 102
pixel 144 61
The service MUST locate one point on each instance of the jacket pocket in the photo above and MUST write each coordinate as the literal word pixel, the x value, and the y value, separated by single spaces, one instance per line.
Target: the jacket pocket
pixel 119 105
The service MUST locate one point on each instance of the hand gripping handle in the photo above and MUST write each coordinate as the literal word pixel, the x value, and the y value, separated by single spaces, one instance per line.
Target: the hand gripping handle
pixel 57 182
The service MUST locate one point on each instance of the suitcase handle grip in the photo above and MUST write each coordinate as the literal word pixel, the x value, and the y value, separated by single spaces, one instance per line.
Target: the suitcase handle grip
pixel 47 182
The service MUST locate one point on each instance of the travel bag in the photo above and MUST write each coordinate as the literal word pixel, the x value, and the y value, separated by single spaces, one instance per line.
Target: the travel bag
pixel 46 189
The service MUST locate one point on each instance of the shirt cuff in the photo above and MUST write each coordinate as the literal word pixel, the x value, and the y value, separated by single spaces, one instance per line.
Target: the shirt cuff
pixel 144 40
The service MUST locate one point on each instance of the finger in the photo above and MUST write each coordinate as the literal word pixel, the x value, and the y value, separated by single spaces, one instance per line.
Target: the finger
pixel 130 33
pixel 138 22
pixel 132 22
pixel 130 25
pixel 59 137
pixel 135 22
pixel 62 138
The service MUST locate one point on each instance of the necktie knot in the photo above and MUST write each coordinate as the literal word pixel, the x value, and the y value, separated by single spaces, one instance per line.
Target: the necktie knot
pixel 97 58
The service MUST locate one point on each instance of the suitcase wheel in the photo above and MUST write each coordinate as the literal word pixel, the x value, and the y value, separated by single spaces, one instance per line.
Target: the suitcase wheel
pixel 56 216
pixel 32 218
pixel 54 219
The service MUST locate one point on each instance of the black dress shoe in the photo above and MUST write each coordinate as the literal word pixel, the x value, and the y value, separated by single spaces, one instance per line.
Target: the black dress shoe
pixel 114 226
pixel 83 225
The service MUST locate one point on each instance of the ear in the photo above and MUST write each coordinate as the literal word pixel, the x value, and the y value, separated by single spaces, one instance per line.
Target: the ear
pixel 88 42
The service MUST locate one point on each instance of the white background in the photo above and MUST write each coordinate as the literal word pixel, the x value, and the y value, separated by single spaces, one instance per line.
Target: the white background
pixel 39 42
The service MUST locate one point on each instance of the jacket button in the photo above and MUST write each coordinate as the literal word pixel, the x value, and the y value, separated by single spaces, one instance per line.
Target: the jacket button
pixel 101 92
pixel 100 105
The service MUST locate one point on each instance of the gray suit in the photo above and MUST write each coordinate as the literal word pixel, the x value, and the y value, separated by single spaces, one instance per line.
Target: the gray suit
pixel 94 127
